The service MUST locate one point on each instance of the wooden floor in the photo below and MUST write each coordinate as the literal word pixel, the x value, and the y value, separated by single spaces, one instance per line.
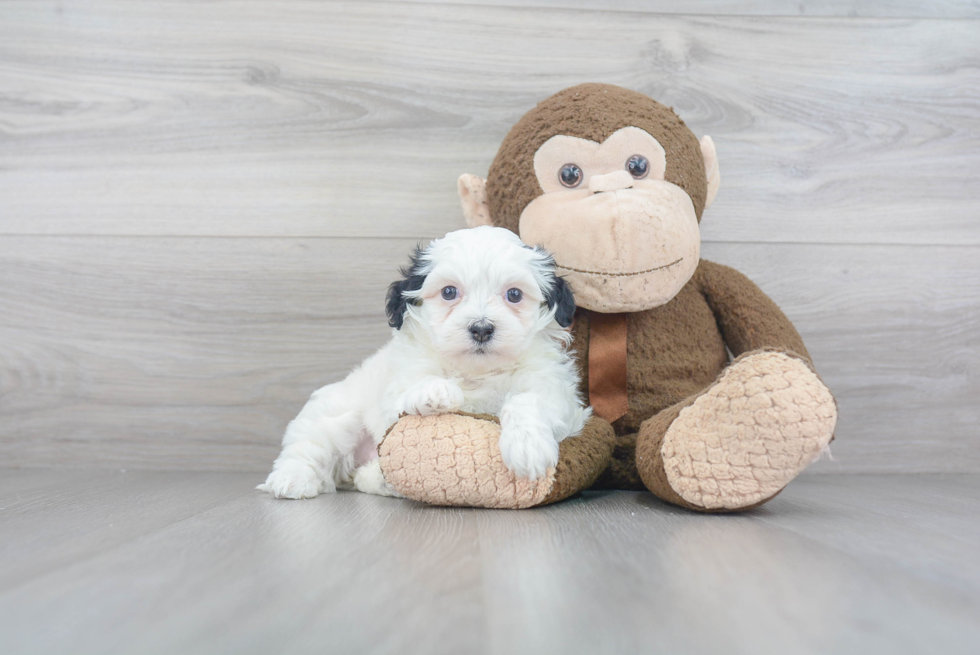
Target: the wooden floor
pixel 166 562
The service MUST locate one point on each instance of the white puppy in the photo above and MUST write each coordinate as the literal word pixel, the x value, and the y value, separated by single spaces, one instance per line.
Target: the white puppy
pixel 478 324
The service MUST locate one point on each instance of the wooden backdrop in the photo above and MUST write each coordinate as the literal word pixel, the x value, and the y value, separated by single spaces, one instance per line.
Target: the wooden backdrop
pixel 201 203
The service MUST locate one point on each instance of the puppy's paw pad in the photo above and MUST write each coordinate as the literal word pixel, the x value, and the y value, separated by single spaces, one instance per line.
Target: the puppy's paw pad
pixel 294 480
pixel 439 397
pixel 529 453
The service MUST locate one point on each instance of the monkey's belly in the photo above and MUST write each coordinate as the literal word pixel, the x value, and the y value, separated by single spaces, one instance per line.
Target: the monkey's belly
pixel 673 351
pixel 655 384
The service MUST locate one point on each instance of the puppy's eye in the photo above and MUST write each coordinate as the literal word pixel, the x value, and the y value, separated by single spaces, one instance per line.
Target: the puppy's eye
pixel 570 175
pixel 638 166
pixel 449 293
pixel 514 295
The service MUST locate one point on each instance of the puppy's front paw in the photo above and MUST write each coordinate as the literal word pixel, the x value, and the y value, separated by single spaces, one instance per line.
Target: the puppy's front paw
pixel 295 480
pixel 528 450
pixel 436 396
pixel 370 480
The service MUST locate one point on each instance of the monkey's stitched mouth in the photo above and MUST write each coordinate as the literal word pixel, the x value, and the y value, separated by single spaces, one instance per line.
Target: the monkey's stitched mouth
pixel 604 274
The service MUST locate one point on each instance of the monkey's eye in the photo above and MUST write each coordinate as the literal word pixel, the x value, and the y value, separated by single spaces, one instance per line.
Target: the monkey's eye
pixel 449 293
pixel 570 175
pixel 514 295
pixel 638 166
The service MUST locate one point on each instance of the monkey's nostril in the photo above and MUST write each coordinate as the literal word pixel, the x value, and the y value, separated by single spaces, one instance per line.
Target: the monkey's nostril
pixel 481 331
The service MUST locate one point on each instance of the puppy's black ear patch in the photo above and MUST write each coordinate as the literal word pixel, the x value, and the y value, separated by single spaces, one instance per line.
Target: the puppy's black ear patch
pixel 412 280
pixel 560 294
pixel 561 297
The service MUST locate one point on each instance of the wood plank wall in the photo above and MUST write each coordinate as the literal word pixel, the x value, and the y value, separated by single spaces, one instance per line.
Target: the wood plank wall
pixel 201 203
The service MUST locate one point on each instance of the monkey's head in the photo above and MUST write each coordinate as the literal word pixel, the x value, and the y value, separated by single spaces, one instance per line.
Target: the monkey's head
pixel 609 181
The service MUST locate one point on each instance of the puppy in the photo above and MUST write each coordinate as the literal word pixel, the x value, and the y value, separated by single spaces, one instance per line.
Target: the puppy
pixel 478 324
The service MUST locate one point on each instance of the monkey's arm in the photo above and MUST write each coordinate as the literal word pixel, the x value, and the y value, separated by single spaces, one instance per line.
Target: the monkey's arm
pixel 748 319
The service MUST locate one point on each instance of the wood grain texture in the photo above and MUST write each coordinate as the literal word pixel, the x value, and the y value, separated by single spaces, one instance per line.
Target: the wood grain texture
pixel 87 512
pixel 118 350
pixel 304 118
pixel 195 353
pixel 843 564
pixel 202 203
pixel 840 8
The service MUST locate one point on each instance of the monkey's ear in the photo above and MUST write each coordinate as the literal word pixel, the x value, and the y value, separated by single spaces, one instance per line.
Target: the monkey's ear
pixel 473 198
pixel 560 296
pixel 710 169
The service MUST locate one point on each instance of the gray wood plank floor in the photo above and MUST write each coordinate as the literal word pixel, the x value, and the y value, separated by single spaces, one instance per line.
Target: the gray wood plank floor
pixel 158 562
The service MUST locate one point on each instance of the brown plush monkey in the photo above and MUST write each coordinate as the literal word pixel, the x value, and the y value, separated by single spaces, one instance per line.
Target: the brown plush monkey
pixel 613 184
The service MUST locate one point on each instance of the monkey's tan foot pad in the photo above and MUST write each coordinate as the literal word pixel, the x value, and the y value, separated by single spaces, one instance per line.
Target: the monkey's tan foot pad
pixel 454 459
pixel 766 418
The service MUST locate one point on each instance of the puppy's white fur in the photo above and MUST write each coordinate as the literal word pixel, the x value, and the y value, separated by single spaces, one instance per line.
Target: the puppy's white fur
pixel 435 363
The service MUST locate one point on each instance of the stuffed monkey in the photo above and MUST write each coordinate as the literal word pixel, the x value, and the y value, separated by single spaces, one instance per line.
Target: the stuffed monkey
pixel 703 391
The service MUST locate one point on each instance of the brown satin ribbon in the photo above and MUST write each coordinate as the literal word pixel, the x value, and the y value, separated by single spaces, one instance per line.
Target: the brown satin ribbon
pixel 607 365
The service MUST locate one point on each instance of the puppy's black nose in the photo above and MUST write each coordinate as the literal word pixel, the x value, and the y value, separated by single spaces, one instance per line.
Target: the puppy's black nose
pixel 481 331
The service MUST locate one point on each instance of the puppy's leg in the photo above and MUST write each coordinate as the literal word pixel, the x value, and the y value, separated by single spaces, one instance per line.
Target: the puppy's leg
pixel 370 480
pixel 433 395
pixel 527 442
pixel 297 474
pixel 316 442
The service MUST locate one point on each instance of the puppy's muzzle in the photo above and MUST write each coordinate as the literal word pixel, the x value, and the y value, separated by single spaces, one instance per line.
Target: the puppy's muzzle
pixel 481 331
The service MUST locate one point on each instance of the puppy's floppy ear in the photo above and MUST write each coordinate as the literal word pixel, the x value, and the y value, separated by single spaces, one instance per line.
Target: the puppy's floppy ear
pixel 560 296
pixel 412 280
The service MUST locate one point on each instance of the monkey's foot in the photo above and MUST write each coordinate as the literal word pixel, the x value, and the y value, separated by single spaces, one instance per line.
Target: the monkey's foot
pixel 746 437
pixel 454 459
